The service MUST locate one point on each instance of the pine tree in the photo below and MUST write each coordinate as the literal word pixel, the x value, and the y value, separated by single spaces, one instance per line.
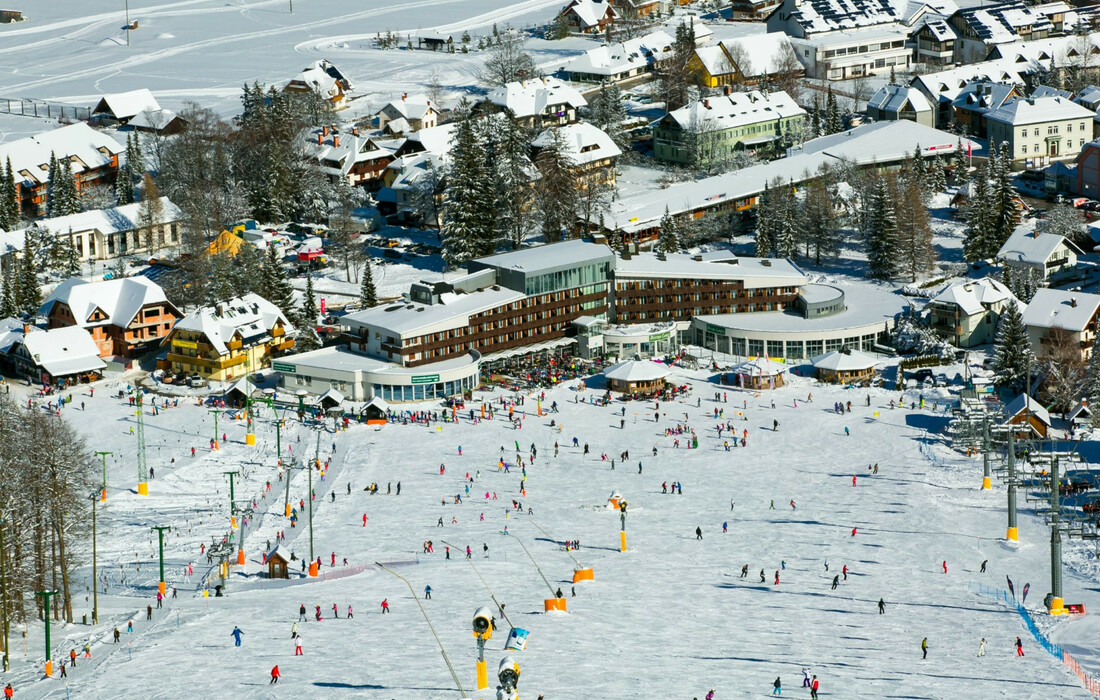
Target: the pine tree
pixel 977 244
pixel 937 181
pixel 1012 354
pixel 882 236
pixel 556 193
pixel 833 121
pixel 669 240
pixel 30 292
pixel 916 252
pixel 1006 216
pixel 124 180
pixel 8 307
pixel 1022 283
pixel 960 162
pixel 277 289
pixel 9 200
pixel 468 223
pixel 70 263
pixel 820 222
pixel 51 186
pixel 65 192
pixel 607 112
pixel 368 293
pixel 767 220
pixel 789 232
pixel 307 330
pixel 509 167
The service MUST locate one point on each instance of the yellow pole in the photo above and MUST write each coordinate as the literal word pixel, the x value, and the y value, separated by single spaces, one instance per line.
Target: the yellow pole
pixel 482 676
pixel 622 541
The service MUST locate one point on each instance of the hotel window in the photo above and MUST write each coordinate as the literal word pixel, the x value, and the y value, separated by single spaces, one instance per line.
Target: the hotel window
pixel 1023 149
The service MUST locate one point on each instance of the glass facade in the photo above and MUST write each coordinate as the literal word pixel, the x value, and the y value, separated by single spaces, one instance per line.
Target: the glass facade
pixel 397 393
pixel 591 274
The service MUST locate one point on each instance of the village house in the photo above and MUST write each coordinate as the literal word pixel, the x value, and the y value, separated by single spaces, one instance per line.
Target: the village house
pixel 942 87
pixel 751 10
pixel 1084 176
pixel 981 28
pixel 934 43
pixel 346 154
pixel 893 102
pixel 725 123
pixel 229 339
pixel 1046 256
pixel 968 313
pixel 1058 318
pixel 106 234
pixel 1032 419
pixel 120 108
pixel 613 63
pixel 978 99
pixel 589 16
pixel 590 150
pixel 58 357
pixel 326 80
pixel 537 103
pixel 125 317
pixel 1040 130
pixel 408 114
pixel 93 156
pixel 750 60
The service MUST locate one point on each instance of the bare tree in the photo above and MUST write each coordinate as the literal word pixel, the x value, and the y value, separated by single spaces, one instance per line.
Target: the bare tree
pixel 1064 370
pixel 788 72
pixel 741 60
pixel 861 92
pixel 151 216
pixel 507 61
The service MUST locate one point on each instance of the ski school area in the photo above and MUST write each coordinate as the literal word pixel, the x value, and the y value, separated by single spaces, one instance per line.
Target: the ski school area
pixel 765 532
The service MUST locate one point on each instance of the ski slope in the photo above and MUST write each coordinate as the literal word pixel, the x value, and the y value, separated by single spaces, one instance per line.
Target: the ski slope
pixel 668 618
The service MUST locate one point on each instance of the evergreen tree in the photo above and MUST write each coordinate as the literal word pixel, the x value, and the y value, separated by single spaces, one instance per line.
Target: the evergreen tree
pixel 882 236
pixel 937 181
pixel 915 249
pixel 1006 216
pixel 1023 284
pixel 307 331
pixel 669 240
pixel 277 289
pixel 368 293
pixel 66 201
pixel 767 220
pixel 834 123
pixel 1012 354
pixel 51 186
pixel 468 222
pixel 9 200
pixel 509 166
pixel 8 307
pixel 607 112
pixel 556 194
pixel 978 243
pixel 70 262
pixel 30 292
pixel 1092 381
pixel 820 222
pixel 789 232
pixel 124 180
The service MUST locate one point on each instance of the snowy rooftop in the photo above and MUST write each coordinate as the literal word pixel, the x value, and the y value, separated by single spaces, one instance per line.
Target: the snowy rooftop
pixel 760 367
pixel 817 16
pixel 765 52
pixel 63 351
pixel 614 59
pixel 251 316
pixel 323 77
pixel 105 221
pixel 125 105
pixel 736 109
pixel 984 96
pixel 555 255
pixel 1023 403
pixel 637 371
pixel 590 12
pixel 977 296
pixel 755 272
pixel 435 139
pixel 714 60
pixel 1064 50
pixel 1039 110
pixel 851 361
pixel 894 98
pixel 83 145
pixel 947 84
pixel 584 142
pixel 999 24
pixel 865 306
pixel 528 98
pixel 120 300
pixel 1056 308
pixel 410 106
pixel 1028 245
pixel 453 311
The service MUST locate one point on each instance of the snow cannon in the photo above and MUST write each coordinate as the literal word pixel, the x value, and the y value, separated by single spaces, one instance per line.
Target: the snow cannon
pixel 583 574
pixel 508 675
pixel 613 500
pixel 483 624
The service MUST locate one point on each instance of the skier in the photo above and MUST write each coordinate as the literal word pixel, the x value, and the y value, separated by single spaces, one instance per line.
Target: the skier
pixel 813 688
pixel 302 613
pixel 275 674
pixel 298 646
pixel 1019 647
pixel 981 647
pixel 116 635
pixel 762 579
pixel 236 634
pixel 427 592
pixel 744 571
pixel 945 566
pixel 775 425
pixel 924 648
pixel 805 677
pixel 698 534
pixel 982 570
pixel 385 606
pixel 776 578
pixel 294 630
pixel 777 687
pixel 881 606
pixel 844 571
pixel 836 582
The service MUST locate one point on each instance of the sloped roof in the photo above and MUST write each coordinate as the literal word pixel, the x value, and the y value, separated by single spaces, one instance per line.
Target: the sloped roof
pixel 947 84
pixel 83 145
pixel 337 152
pixel 1022 403
pixel 765 52
pixel 736 109
pixel 975 297
pixel 105 221
pixel 11 332
pixel 819 16
pixel 893 98
pixel 125 105
pixel 590 12
pixel 323 77
pixel 714 60
pixel 984 96
pixel 435 139
pixel 838 361
pixel 1028 245
pixel 637 371
pixel 250 315
pixel 119 299
pixel 63 351
pixel 226 242
pixel 577 138
pixel 1038 110
pixel 760 367
pixel 153 120
pixel 613 59
pixel 331 395
pixel 528 98
pixel 410 107
pixel 999 24
pixel 1055 308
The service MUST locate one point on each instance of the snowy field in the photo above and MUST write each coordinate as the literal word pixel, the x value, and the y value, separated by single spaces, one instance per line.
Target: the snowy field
pixel 668 618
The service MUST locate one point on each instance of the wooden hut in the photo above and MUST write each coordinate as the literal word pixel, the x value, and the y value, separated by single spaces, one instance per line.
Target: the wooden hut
pixel 844 366
pixel 278 566
pixel 636 376
pixel 1029 414
pixel 758 373
pixel 374 411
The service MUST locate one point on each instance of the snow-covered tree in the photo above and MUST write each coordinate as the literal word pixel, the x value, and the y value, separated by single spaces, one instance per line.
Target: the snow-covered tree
pixel 9 200
pixel 468 221
pixel 669 240
pixel 1064 220
pixel 915 250
pixel 1092 381
pixel 510 168
pixel 819 222
pixel 307 330
pixel 29 290
pixel 368 293
pixel 882 235
pixel 1012 350
pixel 607 112
pixel 276 287
pixel 768 219
pixel 1022 283
pixel 834 122
pixel 556 193
pixel 979 242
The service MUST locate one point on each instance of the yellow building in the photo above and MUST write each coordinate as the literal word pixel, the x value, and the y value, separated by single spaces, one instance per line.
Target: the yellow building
pixel 228 340
pixel 714 66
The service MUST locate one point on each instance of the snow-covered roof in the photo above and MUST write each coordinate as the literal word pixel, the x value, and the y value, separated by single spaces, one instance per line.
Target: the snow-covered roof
pixel 120 300
pixel 1048 91
pixel 1080 410
pixel 332 395
pixel 760 367
pixel 765 53
pixel 435 139
pixel 583 142
pixel 850 361
pixel 337 151
pixel 940 30
pixel 125 105
pixel 894 98
pixel 753 272
pixel 818 16
pixel 984 96
pixel 410 106
pixel 714 60
pixel 376 402
pixel 735 110
pixel 528 98
pixel 536 259
pixel 153 119
pixel 11 331
pixel 1023 403
pixel 616 59
pixel 1056 308
pixel 105 221
pixel 1028 245
pixel 1064 50
pixel 637 371
pixel 947 84
pixel 86 148
pixel 453 311
pixel 1090 95
pixel 976 296
pixel 590 12
pixel 63 351
pixel 250 315
pixel 323 77
pixel 999 24
pixel 1038 110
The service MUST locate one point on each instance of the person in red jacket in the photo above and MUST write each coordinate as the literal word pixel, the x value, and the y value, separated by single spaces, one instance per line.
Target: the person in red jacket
pixel 275 674
pixel 813 688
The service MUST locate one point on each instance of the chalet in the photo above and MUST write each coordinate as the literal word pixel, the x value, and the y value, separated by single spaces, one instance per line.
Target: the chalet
pixel 980 28
pixel 106 234
pixel 713 66
pixel 1057 318
pixel 893 102
pixel 934 43
pixel 408 114
pixel 590 149
pixel 345 154
pixel 755 59
pixel 326 80
pixel 1030 415
pixel 538 103
pixel 977 100
pixel 164 122
pixel 637 9
pixel 1046 256
pixel 844 366
pixel 968 313
pixel 589 16
pixel 93 156
pixel 121 107
pixel 58 357
pixel 612 63
pixel 229 339
pixel 125 317
pixel 942 87
pixel 752 10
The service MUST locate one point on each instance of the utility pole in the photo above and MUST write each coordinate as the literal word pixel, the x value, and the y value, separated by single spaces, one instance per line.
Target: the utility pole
pixel 215 412
pixel 4 597
pixel 142 465
pixel 103 496
pixel 46 595
pixel 232 499
pixel 160 539
pixel 1056 604
pixel 1013 533
pixel 127 22
pixel 95 570
pixel 986 481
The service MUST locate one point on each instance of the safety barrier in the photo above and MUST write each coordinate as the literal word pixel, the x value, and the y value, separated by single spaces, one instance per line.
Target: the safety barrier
pixel 1090 683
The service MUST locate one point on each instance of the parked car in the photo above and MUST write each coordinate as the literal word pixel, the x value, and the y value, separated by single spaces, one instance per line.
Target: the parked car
pixel 921 374
pixel 196 381
pixel 941 379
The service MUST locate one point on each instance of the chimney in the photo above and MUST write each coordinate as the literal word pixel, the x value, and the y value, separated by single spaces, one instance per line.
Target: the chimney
pixel 706 104
pixel 335 141
pixel 321 139
pixel 1073 302
pixel 429 102
pixel 354 131
pixel 727 89
pixel 324 131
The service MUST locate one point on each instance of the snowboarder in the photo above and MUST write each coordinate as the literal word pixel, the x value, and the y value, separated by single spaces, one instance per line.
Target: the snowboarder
pixel 236 634
pixel 698 534
pixel 298 646
pixel 881 606
pixel 924 648
pixel 275 674
pixel 981 647
pixel 777 687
